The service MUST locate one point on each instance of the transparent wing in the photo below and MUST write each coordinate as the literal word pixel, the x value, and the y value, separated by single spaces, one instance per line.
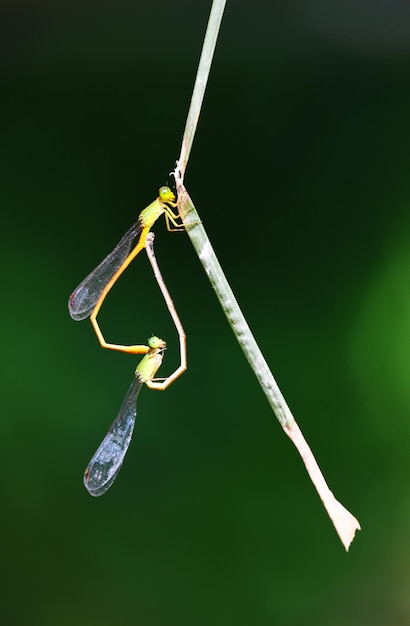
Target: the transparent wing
pixel 106 462
pixel 82 301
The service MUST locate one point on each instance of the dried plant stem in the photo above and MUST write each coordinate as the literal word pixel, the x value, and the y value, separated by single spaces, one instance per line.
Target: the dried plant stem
pixel 345 523
pixel 201 80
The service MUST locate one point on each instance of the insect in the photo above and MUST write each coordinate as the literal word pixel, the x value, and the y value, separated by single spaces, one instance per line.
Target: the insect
pixel 104 466
pixel 87 299
pixel 106 462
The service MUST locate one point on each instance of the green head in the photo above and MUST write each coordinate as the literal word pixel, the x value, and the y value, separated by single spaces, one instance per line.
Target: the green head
pixel 166 195
pixel 156 342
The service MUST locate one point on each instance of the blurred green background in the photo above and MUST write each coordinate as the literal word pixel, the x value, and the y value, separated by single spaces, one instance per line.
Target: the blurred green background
pixel 300 173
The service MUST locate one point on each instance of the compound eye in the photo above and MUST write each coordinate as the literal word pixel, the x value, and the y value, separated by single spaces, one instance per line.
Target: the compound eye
pixel 166 194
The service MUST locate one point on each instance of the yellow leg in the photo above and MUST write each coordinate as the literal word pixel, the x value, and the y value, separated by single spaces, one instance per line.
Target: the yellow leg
pixel 170 219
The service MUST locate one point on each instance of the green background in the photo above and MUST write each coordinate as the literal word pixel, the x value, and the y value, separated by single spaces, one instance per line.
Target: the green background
pixel 300 172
